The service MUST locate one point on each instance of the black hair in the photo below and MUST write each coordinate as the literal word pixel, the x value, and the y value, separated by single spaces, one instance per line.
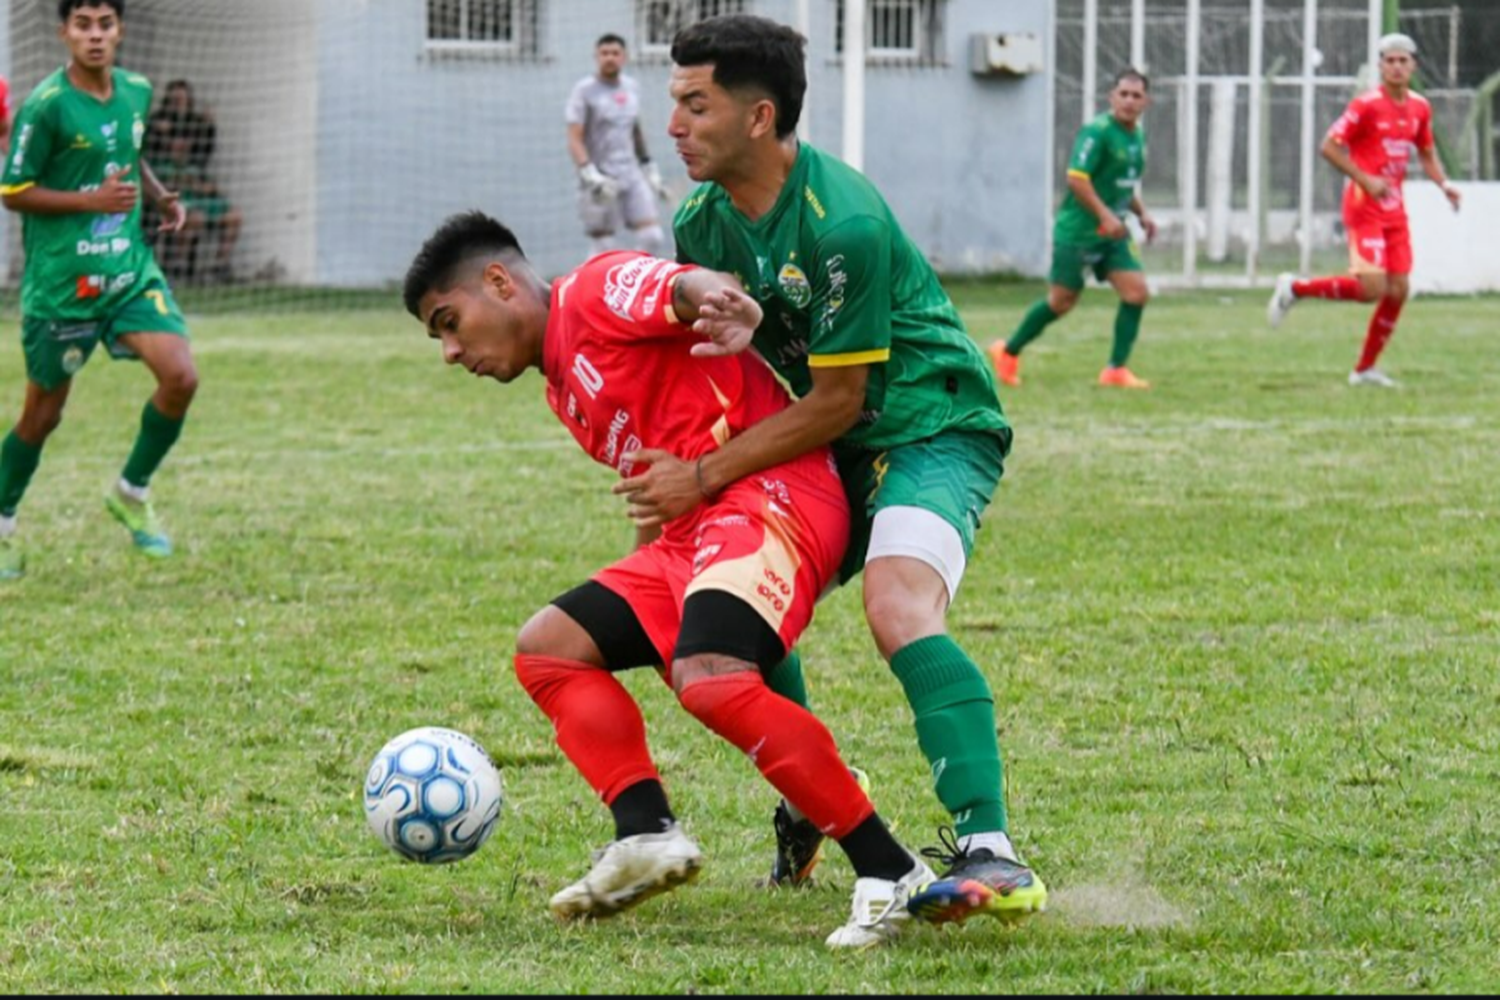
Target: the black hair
pixel 65 8
pixel 750 53
pixel 1131 73
pixel 457 241
pixel 610 39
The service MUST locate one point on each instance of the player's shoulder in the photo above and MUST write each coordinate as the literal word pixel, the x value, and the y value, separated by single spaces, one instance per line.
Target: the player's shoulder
pixel 1419 101
pixel 47 92
pixel 835 194
pixel 699 207
pixel 132 81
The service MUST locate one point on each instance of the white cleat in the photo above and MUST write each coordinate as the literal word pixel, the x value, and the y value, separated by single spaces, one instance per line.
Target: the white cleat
pixel 879 910
pixel 1375 377
pixel 628 872
pixel 1282 300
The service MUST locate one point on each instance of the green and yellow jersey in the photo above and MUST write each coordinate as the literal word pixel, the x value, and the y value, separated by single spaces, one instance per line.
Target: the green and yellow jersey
pixel 1113 159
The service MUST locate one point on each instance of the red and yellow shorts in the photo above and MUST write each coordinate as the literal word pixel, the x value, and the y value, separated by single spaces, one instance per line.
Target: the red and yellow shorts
pixel 1377 247
pixel 771 540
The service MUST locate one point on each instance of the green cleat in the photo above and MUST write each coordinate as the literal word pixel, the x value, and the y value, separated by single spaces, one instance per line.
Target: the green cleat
pixel 140 518
pixel 12 560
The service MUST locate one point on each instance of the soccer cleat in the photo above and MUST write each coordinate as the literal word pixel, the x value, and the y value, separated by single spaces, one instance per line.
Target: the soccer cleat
pixel 1282 300
pixel 1007 365
pixel 139 517
pixel 977 881
pixel 629 872
pixel 880 909
pixel 1122 378
pixel 1375 377
pixel 799 844
pixel 12 559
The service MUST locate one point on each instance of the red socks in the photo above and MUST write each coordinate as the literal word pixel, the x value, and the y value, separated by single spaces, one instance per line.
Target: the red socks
pixel 598 723
pixel 791 747
pixel 1344 288
pixel 1382 328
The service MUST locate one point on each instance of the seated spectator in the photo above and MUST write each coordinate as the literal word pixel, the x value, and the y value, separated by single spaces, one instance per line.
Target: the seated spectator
pixel 208 214
pixel 179 118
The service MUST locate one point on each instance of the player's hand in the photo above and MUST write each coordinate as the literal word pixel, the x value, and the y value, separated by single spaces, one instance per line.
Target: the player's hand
pixel 173 212
pixel 1148 223
pixel 601 187
pixel 1454 195
pixel 1375 187
pixel 729 319
pixel 116 195
pixel 1111 228
pixel 653 178
pixel 667 490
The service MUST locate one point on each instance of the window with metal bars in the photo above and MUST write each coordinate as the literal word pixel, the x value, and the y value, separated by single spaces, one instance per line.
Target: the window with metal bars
pixel 899 31
pixel 498 26
pixel 658 21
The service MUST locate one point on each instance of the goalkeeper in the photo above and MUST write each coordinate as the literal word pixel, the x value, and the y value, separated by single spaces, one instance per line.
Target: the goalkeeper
pixel 617 180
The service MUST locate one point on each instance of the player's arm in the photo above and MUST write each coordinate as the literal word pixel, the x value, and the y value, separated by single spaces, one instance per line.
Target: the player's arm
pixel 1082 187
pixel 1147 222
pixel 115 195
pixel 577 149
pixel 1433 166
pixel 168 203
pixel 1337 153
pixel 716 306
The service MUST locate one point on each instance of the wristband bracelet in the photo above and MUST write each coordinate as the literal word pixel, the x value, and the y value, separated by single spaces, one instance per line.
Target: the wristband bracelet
pixel 698 474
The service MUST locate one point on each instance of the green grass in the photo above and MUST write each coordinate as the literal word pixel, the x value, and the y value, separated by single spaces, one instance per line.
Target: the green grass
pixel 1243 632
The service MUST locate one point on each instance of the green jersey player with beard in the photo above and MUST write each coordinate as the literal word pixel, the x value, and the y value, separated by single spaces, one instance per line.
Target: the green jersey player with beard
pixel 859 326
pixel 76 176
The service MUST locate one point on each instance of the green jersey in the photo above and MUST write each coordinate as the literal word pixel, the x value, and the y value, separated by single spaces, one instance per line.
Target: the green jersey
pixel 81 266
pixel 1113 159
pixel 842 285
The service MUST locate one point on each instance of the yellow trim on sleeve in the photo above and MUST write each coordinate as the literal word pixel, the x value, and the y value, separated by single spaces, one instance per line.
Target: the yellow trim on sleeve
pixel 16 188
pixel 849 360
pixel 1080 173
pixel 671 311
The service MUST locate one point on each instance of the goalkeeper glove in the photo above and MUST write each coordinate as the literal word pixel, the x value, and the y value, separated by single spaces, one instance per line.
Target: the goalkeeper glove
pixel 601 187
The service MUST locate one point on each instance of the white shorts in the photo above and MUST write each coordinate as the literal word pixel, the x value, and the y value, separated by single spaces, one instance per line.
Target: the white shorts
pixel 634 207
pixel 914 533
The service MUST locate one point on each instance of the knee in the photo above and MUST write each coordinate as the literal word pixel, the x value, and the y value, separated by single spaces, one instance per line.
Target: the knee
pixel 36 426
pixel 897 619
pixel 538 636
pixel 1136 296
pixel 1062 302
pixel 181 384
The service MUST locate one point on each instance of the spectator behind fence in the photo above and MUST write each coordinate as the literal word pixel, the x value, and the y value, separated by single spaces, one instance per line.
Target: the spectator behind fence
pixel 208 214
pixel 179 118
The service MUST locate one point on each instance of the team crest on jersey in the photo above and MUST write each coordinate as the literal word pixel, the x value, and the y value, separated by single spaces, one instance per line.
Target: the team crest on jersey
pixel 796 287
pixel 72 361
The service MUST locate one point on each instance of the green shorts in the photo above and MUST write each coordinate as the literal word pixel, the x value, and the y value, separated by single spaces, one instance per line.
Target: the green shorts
pixel 57 349
pixel 1104 257
pixel 953 475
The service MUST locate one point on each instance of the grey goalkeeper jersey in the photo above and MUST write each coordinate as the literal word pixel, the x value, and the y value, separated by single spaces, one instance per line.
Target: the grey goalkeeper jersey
pixel 608 114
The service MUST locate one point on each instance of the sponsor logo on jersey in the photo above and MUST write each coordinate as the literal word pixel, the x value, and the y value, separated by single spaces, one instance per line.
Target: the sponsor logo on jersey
pixel 81 141
pixel 625 282
pixel 817 206
pixel 103 248
pixel 612 443
pixel 122 281
pixel 795 286
pixel 90 286
pixel 72 361
pixel 138 132
pixel 110 131
pixel 704 555
pixel 107 225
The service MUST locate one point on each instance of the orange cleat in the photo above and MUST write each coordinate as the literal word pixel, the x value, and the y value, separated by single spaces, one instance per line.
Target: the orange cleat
pixel 1007 365
pixel 1122 378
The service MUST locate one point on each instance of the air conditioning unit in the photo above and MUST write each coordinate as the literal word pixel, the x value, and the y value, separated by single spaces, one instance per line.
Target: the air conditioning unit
pixel 1007 55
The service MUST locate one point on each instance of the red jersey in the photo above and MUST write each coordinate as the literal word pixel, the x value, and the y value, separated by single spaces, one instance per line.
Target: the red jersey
pixel 621 378
pixel 1380 134
pixel 4 100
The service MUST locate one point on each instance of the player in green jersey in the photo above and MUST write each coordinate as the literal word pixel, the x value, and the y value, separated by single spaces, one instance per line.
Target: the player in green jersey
pixel 1104 177
pixel 857 323
pixel 76 175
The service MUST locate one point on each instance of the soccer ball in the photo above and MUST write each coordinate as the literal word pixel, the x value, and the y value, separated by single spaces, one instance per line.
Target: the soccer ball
pixel 432 795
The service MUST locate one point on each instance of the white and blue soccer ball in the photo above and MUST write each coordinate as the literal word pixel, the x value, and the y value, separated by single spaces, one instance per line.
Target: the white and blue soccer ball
pixel 433 795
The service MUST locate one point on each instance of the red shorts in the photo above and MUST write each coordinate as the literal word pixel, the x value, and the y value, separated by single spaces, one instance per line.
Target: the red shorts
pixel 774 541
pixel 1377 247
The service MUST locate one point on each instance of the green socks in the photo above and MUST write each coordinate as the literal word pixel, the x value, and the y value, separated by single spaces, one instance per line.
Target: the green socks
pixel 786 679
pixel 18 462
pixel 1031 327
pixel 1127 328
pixel 955 716
pixel 158 434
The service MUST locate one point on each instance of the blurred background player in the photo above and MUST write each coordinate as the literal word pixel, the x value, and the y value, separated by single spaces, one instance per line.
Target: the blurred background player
pixel 5 114
pixel 1104 177
pixel 72 175
pixel 618 183
pixel 859 326
pixel 615 339
pixel 1371 145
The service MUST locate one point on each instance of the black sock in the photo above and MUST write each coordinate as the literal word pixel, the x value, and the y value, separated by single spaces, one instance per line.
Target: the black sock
pixel 874 853
pixel 641 808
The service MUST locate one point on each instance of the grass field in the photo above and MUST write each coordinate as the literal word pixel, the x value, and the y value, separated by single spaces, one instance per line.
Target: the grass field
pixel 1243 631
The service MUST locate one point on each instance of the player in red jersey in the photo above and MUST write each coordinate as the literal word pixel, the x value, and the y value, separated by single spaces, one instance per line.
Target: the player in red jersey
pixel 1372 144
pixel 715 600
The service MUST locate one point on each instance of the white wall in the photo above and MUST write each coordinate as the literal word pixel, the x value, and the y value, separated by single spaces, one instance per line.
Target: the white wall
pixel 1455 252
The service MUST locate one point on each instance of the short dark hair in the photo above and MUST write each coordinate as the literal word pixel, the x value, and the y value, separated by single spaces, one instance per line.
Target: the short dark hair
pixel 457 242
pixel 750 53
pixel 610 39
pixel 1131 73
pixel 65 8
